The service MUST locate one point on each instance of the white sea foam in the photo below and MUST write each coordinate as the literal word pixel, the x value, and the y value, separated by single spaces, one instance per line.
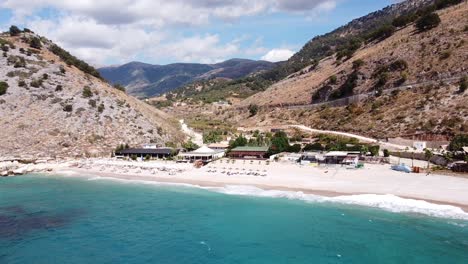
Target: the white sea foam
pixel 386 202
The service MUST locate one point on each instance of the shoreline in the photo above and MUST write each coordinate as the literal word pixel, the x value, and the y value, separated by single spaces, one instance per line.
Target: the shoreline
pixel 331 182
pixel 375 185
pixel 213 184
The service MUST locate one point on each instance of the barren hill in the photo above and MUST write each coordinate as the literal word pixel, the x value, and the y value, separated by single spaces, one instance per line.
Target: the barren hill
pixel 404 84
pixel 52 108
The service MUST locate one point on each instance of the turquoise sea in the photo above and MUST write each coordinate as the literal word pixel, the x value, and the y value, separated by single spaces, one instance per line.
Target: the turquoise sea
pixel 51 219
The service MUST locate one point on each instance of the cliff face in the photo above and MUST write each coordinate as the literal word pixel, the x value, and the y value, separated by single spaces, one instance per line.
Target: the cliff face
pixel 53 109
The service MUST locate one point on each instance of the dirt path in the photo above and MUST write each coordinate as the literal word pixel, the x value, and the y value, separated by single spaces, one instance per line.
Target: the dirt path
pixel 361 138
pixel 196 138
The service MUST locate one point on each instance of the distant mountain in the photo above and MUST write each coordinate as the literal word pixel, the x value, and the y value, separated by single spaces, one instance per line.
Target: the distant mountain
pixel 146 80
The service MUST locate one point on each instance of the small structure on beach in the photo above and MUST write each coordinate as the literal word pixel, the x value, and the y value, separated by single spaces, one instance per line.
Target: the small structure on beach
pixel 351 160
pixel 204 154
pixel 219 146
pixel 142 153
pixel 248 152
pixel 335 157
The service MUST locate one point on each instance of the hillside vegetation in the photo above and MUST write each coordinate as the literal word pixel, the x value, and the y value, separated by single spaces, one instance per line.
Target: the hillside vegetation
pixel 54 105
pixel 343 42
pixel 406 81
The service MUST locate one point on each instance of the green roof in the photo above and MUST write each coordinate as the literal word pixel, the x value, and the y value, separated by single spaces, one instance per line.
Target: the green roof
pixel 265 149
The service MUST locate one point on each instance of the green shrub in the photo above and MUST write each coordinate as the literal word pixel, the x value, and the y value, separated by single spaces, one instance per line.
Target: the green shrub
pixel 382 80
pixel 314 147
pixel 445 54
pixel 20 62
pixel 428 22
pixel 58 88
pixel 463 84
pixel 458 142
pixel 119 87
pixel 45 76
pixel 333 79
pixel 5 48
pixel 3 87
pixel 346 89
pixel 72 60
pixel 68 108
pixel 36 83
pixel 386 153
pixel 62 69
pixel 374 150
pixel 87 93
pixel 35 43
pixel 101 108
pixel 21 83
pixel 403 20
pixel 14 31
pixel 253 109
pixel 92 103
pixel 358 64
pixel 382 33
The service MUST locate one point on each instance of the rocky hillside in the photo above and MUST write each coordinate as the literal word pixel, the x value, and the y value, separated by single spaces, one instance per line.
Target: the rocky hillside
pixel 147 80
pixel 55 105
pixel 407 83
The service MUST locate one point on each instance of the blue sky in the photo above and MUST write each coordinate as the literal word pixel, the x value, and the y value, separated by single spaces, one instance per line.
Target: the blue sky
pixel 109 32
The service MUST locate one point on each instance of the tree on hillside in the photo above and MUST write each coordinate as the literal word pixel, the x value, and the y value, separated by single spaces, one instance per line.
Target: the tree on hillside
pixel 14 31
pixel 190 146
pixel 279 143
pixel 240 141
pixel 119 87
pixel 253 109
pixel 458 142
pixel 35 43
pixel 428 21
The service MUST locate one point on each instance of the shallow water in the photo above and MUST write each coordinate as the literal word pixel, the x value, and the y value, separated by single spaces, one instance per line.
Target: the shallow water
pixel 46 219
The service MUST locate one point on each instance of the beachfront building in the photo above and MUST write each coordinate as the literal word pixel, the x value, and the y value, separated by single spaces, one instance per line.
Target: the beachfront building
pixel 204 154
pixel 335 157
pixel 219 146
pixel 143 153
pixel 248 153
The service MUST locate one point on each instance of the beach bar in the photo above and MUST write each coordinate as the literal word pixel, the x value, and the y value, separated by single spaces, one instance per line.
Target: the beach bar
pixel 154 153
pixel 249 152
pixel 204 154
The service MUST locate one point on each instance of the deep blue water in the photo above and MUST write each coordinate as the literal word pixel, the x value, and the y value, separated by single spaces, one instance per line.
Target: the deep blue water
pixel 46 219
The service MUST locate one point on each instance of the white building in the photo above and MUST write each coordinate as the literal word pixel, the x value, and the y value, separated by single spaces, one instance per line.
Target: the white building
pixel 204 154
pixel 419 145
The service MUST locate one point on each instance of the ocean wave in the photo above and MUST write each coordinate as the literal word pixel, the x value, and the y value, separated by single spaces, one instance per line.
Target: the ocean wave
pixel 387 202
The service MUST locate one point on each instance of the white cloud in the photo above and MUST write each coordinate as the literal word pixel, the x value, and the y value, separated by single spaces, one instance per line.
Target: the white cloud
pixel 276 55
pixel 115 31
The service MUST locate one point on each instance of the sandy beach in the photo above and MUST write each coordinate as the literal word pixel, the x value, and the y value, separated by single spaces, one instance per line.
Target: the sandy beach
pixel 325 181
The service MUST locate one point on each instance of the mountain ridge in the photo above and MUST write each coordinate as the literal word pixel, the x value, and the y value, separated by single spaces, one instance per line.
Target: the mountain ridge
pixel 146 80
